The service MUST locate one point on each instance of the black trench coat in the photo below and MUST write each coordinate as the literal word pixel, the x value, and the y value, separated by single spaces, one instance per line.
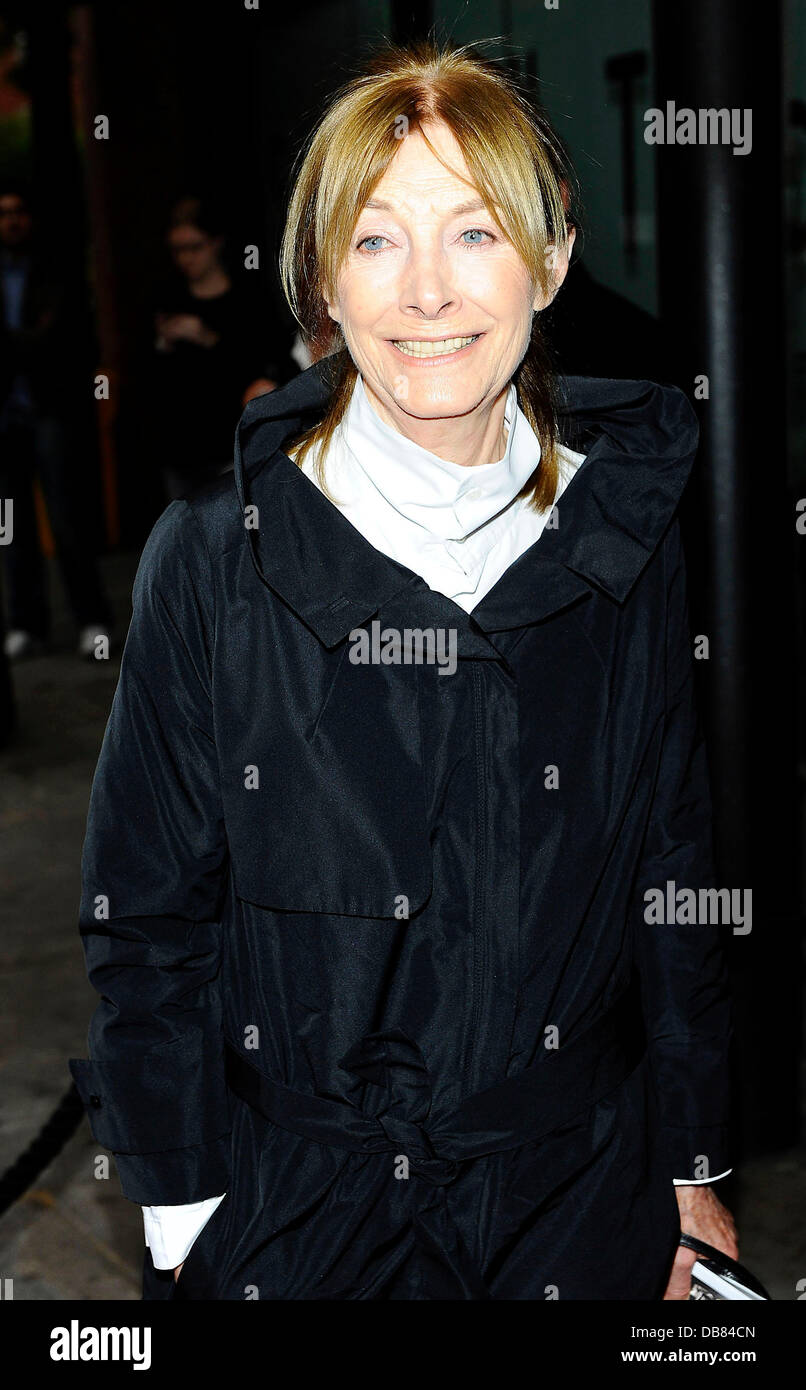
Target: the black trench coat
pixel 331 908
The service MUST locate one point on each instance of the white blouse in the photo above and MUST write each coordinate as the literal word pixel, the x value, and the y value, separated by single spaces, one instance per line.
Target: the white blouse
pixel 458 527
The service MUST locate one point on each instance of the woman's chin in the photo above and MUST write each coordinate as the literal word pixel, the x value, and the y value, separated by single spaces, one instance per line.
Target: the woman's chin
pixel 438 399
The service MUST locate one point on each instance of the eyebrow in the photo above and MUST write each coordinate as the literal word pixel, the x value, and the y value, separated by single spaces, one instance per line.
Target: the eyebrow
pixel 474 205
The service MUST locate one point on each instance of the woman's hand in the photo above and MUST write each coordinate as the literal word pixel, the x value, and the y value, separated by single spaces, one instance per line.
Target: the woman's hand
pixel 701 1215
pixel 178 1271
pixel 173 327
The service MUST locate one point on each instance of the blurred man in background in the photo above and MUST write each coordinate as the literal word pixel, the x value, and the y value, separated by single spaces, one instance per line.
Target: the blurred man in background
pixel 45 380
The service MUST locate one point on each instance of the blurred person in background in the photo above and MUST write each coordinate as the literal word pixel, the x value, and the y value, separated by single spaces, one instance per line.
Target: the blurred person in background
pixel 45 378
pixel 214 349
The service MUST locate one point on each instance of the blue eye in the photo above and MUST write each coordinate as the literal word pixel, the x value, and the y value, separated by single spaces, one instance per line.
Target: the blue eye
pixel 371 251
pixel 476 231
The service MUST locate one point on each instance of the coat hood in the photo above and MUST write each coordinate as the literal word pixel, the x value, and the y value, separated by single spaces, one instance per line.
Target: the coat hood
pixel 639 438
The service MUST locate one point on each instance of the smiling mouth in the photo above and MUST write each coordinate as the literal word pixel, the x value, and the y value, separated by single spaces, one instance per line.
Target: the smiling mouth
pixel 442 348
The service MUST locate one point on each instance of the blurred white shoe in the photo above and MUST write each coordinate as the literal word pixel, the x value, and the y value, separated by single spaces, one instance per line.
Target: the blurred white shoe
pixel 88 640
pixel 18 644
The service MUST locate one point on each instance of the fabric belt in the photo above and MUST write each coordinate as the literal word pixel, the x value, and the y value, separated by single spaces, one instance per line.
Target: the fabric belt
pixel 396 1111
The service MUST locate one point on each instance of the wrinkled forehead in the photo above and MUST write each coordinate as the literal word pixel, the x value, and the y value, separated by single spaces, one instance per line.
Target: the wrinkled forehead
pixel 427 175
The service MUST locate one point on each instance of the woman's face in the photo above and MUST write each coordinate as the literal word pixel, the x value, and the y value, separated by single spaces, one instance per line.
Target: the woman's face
pixel 435 305
pixel 195 254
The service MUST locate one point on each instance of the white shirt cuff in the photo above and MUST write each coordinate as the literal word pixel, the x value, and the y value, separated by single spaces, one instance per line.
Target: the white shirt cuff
pixel 171 1231
pixel 698 1182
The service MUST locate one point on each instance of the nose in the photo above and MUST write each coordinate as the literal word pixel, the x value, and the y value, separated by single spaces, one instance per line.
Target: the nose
pixel 427 289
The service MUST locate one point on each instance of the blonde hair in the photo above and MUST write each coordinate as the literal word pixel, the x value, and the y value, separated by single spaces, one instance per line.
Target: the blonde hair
pixel 515 162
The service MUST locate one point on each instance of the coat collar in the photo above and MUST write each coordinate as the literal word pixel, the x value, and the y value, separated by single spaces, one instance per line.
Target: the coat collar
pixel 639 438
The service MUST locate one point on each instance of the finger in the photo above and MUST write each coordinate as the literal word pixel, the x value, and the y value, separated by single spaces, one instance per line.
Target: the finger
pixel 679 1285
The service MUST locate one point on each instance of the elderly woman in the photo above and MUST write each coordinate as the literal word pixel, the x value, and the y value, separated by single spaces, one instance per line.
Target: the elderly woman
pixel 403 757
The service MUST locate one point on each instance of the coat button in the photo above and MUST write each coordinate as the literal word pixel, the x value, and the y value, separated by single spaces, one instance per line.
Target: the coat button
pixel 95 1102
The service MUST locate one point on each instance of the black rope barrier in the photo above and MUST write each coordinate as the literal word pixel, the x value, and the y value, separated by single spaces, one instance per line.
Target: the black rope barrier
pixel 60 1125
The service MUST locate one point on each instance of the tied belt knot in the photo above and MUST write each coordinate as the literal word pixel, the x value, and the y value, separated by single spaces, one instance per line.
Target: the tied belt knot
pixel 396 1115
pixel 398 1097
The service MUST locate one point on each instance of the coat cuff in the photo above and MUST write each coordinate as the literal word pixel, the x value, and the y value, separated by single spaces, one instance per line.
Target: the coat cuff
pixel 165 1116
pixel 178 1176
pixel 703 1152
pixel 173 1097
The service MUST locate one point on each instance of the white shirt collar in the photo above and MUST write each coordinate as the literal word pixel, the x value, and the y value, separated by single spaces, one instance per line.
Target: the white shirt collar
pixel 447 500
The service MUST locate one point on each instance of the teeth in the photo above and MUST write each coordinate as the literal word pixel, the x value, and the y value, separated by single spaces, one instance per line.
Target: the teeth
pixel 414 349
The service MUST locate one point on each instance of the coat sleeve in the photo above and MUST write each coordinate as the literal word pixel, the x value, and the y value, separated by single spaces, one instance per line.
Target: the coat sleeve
pixel 153 876
pixel 682 965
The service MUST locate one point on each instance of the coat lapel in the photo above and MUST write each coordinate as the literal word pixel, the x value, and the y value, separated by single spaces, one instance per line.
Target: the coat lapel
pixel 639 438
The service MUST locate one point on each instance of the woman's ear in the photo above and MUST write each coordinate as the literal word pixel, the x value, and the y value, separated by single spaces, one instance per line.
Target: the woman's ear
pixel 557 263
pixel 332 308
